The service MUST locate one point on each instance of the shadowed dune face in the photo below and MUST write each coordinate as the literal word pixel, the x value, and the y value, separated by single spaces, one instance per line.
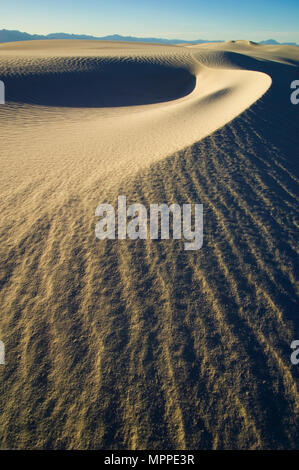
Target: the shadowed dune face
pixel 89 82
pixel 141 345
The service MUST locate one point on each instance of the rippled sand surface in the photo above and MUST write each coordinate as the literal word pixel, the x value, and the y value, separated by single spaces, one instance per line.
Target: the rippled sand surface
pixel 140 344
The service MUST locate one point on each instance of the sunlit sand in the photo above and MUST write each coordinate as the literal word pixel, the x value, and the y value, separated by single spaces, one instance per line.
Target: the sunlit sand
pixel 140 345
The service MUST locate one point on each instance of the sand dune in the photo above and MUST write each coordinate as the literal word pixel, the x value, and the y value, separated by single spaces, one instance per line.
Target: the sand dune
pixel 216 98
pixel 119 344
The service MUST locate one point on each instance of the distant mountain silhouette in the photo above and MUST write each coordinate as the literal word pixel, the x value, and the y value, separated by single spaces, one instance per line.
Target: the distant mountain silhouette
pixel 14 35
pixel 11 36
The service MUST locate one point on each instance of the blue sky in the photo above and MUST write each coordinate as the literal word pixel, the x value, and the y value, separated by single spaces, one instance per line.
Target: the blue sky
pixel 186 19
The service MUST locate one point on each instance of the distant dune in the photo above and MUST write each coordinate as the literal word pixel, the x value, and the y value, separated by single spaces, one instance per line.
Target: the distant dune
pixel 139 344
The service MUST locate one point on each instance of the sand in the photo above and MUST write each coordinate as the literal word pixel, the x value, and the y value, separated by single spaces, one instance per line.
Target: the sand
pixel 139 344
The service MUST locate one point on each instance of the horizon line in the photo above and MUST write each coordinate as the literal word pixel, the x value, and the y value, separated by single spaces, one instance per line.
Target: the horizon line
pixel 143 37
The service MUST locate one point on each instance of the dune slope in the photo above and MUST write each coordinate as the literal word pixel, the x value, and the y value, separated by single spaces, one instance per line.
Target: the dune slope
pixel 141 345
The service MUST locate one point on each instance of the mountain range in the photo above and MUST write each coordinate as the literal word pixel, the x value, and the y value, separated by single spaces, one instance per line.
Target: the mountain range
pixel 15 35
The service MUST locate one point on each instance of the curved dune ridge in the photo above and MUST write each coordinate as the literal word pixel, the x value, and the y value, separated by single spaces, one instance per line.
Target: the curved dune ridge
pixel 108 76
pixel 141 345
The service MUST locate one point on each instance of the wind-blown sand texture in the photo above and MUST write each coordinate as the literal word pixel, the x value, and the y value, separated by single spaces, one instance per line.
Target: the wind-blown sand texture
pixel 140 344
